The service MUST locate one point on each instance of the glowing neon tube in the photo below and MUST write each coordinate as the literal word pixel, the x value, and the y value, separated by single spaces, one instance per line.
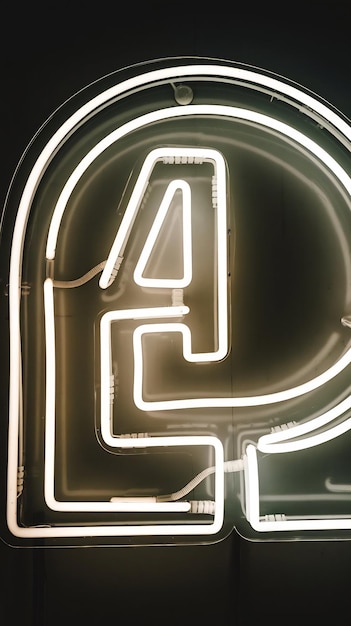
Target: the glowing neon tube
pixel 141 505
pixel 162 154
pixel 106 358
pixel 280 441
pixel 123 232
pixel 165 114
pixel 174 186
pixel 244 77
pixel 278 523
pixel 307 442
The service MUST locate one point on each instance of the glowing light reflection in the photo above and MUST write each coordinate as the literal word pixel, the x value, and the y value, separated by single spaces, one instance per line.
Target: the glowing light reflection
pixel 247 77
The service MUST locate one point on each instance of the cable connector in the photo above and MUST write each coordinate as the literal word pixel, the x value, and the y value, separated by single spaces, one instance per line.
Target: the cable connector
pixel 134 435
pixel 25 289
pixel 177 297
pixel 214 192
pixel 279 428
pixel 275 517
pixel 206 507
pixel 112 388
pixel 20 479
pixel 234 466
pixel 182 159
pixel 115 269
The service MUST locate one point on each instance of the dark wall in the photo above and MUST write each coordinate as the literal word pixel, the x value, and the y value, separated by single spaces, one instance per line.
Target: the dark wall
pixel 48 53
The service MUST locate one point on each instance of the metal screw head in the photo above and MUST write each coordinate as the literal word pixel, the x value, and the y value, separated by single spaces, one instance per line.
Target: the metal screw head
pixel 183 94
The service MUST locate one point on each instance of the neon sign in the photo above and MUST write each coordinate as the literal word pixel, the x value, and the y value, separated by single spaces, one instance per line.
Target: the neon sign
pixel 128 420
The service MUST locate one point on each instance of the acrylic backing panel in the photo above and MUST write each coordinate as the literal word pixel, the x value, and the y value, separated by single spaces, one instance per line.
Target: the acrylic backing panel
pixel 179 301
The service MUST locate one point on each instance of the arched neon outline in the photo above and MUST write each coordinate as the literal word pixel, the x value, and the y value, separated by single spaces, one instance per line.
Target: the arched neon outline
pixel 280 441
pixel 25 205
pixel 123 233
pixel 172 113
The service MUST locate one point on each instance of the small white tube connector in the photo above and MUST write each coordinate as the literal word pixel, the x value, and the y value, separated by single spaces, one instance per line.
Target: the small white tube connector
pixel 207 507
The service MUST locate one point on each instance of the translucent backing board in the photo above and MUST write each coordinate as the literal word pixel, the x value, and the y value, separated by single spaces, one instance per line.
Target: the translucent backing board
pixel 179 299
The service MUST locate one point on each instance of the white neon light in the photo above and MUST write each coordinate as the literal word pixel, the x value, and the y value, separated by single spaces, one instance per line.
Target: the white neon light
pixel 247 78
pixel 106 358
pixel 246 401
pixel 180 155
pixel 139 278
pixel 177 155
pixel 127 504
pixel 279 441
pixel 126 225
pixel 124 505
pixel 192 357
pixel 49 477
pixel 337 488
pixel 308 442
pixel 165 114
pixel 278 523
pixel 139 504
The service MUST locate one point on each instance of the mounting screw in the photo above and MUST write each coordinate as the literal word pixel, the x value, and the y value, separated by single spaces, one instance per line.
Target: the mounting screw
pixel 183 94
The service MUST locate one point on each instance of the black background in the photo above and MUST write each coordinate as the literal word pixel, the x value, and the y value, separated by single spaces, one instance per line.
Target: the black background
pixel 48 53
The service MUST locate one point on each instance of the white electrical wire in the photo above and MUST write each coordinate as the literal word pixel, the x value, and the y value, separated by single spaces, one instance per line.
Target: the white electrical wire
pixel 69 284
pixel 229 466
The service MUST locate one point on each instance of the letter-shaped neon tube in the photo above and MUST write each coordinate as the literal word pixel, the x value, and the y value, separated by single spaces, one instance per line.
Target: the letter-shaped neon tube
pixel 138 505
pixel 198 71
pixel 278 523
pixel 129 216
pixel 174 186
